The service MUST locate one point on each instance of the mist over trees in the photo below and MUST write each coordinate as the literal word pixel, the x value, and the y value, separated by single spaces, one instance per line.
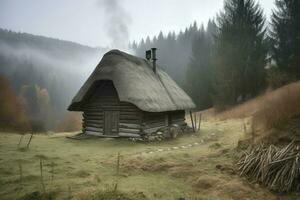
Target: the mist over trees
pixel 174 50
pixel 44 74
pixel 230 59
pixel 198 82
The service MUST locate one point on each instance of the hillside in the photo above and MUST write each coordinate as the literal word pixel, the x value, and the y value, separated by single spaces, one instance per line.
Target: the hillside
pixel 274 115
pixel 199 166
pixel 45 73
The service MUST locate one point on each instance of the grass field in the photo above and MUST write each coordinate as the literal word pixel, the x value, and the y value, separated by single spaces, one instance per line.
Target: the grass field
pixel 199 166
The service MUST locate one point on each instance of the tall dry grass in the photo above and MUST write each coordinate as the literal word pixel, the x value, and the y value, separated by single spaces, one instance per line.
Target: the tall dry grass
pixel 269 109
pixel 278 106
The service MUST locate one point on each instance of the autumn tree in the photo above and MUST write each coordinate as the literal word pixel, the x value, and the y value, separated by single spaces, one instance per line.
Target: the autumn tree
pixel 12 117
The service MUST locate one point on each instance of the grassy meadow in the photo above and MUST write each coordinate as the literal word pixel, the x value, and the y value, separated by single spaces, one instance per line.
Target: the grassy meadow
pixel 195 166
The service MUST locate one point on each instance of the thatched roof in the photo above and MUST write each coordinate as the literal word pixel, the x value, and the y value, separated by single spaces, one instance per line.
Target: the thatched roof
pixel 136 83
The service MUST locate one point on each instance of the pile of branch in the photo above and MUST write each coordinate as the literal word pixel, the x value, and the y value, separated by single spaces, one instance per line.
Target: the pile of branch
pixel 276 168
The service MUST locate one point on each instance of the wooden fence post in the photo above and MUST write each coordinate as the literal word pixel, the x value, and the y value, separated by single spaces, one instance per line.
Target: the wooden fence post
pixel 191 115
pixel 200 119
pixel 42 179
pixel 29 140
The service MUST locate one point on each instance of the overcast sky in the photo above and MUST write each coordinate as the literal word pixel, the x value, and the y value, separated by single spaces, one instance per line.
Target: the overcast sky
pixel 107 22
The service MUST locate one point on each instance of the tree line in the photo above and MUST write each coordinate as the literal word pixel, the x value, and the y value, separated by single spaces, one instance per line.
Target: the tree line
pixel 38 78
pixel 236 56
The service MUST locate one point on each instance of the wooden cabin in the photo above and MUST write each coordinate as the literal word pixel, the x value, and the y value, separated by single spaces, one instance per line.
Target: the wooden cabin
pixel 126 97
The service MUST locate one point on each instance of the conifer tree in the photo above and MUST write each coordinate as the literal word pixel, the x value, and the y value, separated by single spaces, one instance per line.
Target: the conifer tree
pixel 240 52
pixel 199 72
pixel 285 36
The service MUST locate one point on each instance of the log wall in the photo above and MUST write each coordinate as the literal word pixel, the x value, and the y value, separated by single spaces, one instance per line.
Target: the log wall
pixel 154 121
pixel 132 121
pixel 105 98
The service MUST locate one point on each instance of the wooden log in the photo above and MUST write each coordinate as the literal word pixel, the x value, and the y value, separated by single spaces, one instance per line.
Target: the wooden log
pixel 93 133
pixel 92 125
pixel 121 134
pixel 93 117
pixel 130 121
pixel 147 126
pixel 127 130
pixel 93 129
pixel 96 120
pixel 176 120
pixel 155 121
pixel 130 112
pixel 88 120
pixel 96 113
pixel 126 125
pixel 129 117
pixel 152 130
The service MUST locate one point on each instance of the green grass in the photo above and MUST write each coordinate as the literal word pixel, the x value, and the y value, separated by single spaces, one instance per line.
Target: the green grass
pixel 86 169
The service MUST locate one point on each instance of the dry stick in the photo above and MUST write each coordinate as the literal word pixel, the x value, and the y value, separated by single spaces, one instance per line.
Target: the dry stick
pixel 21 138
pixel 52 171
pixel 118 163
pixel 117 172
pixel 21 172
pixel 200 118
pixel 42 180
pixel 245 128
pixel 69 192
pixel 192 121
pixel 29 140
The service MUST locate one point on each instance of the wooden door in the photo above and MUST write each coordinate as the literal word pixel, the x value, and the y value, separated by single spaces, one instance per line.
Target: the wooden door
pixel 111 123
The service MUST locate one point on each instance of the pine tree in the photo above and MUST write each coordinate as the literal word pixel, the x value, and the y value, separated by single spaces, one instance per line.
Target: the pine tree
pixel 240 52
pixel 199 72
pixel 285 36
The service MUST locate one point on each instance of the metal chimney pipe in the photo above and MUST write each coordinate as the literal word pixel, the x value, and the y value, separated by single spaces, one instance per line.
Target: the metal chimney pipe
pixel 154 59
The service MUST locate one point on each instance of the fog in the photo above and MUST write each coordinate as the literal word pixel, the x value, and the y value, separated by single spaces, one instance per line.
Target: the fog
pixel 92 22
pixel 59 68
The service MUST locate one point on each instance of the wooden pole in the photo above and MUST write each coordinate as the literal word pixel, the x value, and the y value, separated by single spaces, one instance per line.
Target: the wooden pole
pixel 200 119
pixel 29 140
pixel 118 163
pixel 191 115
pixel 52 170
pixel 42 180
pixel 21 172
pixel 195 117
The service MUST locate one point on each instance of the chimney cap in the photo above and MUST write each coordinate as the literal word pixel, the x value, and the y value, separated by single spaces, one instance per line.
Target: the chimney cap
pixel 148 54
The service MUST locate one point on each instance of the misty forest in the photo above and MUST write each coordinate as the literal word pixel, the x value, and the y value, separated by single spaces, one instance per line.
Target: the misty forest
pixel 234 132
